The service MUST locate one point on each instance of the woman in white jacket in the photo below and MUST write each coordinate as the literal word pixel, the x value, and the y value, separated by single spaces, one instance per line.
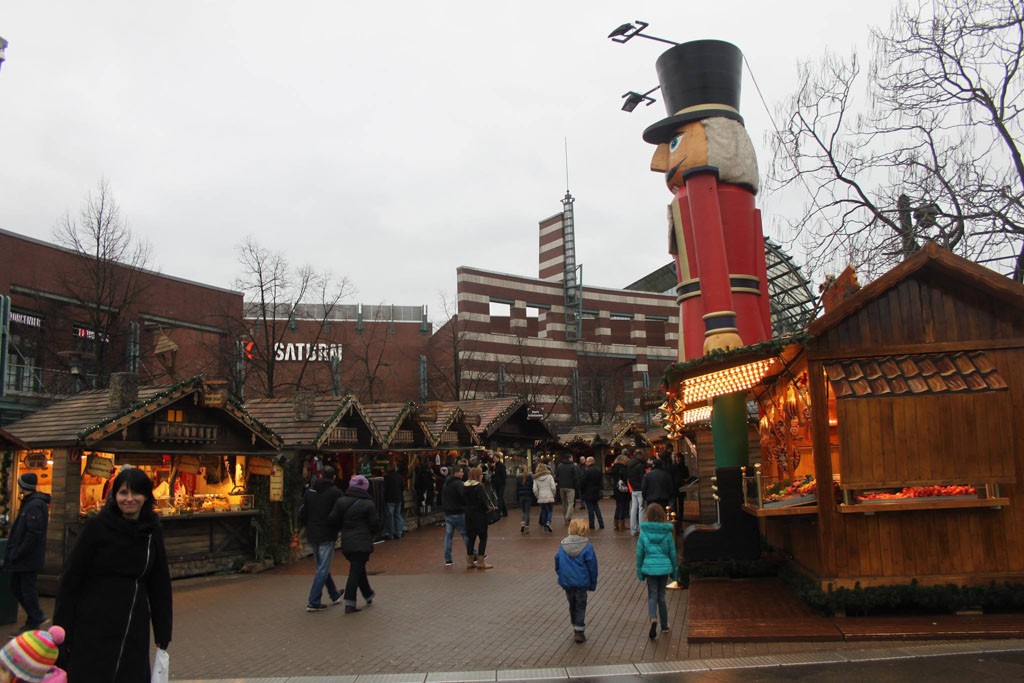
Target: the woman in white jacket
pixel 544 489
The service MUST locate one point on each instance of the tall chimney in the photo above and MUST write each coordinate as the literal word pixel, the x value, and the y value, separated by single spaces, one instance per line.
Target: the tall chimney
pixel 123 390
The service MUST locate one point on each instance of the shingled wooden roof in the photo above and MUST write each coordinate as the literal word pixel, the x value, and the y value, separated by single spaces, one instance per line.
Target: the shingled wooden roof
pixel 7 440
pixel 87 417
pixel 934 258
pixel 615 434
pixel 385 419
pixel 324 413
pixel 933 373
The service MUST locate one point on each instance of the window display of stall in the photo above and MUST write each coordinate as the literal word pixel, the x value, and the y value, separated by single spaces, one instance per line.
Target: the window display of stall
pixel 200 485
pixel 204 502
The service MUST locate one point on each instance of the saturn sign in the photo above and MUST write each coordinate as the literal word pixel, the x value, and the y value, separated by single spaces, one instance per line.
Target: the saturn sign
pixel 292 351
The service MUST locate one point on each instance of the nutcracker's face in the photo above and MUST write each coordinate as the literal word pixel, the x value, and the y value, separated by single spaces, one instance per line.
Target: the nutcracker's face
pixel 687 149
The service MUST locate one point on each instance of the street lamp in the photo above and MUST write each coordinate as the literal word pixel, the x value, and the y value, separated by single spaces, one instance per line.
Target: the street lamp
pixel 633 99
pixel 627 32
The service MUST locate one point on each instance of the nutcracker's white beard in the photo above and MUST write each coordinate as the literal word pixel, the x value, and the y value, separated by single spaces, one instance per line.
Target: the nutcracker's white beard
pixel 731 152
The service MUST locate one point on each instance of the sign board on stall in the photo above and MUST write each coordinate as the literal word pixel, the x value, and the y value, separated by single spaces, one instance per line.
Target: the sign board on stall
pixel 260 466
pixel 650 399
pixel 98 466
pixel 276 483
pixel 189 464
pixel 36 460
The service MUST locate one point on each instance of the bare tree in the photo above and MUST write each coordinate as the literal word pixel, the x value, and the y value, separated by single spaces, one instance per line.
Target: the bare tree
pixel 930 154
pixel 528 377
pixel 276 296
pixel 453 370
pixel 105 283
pixel 369 372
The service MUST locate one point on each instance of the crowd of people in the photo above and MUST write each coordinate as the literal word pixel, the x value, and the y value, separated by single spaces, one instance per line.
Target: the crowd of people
pixel 120 551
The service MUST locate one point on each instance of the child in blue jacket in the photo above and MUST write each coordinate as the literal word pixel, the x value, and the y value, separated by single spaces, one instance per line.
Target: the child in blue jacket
pixel 576 566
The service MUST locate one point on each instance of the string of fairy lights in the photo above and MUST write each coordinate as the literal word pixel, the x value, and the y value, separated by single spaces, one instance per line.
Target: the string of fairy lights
pixel 682 407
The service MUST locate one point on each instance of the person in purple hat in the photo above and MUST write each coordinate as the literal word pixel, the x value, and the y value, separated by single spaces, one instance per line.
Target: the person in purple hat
pixel 356 517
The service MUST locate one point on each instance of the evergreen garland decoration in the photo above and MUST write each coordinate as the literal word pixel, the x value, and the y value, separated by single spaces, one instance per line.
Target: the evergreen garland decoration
pixel 772 347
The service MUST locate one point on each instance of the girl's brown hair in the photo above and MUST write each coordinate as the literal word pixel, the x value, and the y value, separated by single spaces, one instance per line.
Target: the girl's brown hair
pixel 476 474
pixel 654 513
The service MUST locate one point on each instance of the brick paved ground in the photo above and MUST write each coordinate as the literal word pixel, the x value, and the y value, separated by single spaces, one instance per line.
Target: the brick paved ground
pixel 428 618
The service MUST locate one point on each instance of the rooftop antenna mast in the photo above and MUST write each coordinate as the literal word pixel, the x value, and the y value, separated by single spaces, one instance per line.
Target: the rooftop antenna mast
pixel 572 279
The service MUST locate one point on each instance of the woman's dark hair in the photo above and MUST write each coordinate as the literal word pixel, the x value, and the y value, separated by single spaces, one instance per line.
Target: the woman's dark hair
pixel 137 482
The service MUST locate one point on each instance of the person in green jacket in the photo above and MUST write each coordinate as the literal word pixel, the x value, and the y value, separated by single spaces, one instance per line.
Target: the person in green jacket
pixel 656 561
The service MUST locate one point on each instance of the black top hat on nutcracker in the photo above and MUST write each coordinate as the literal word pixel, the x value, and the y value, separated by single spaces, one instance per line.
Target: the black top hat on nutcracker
pixel 699 79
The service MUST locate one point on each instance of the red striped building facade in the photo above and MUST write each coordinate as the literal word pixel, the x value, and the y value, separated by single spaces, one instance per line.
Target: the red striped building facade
pixel 575 352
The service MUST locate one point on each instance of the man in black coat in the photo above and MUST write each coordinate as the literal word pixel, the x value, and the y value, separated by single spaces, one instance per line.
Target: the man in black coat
pixel 590 488
pixel 317 503
pixel 394 499
pixel 26 549
pixel 657 485
pixel 635 471
pixel 568 480
pixel 498 480
pixel 453 504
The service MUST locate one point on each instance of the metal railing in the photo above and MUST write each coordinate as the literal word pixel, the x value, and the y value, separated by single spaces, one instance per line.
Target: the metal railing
pixel 28 380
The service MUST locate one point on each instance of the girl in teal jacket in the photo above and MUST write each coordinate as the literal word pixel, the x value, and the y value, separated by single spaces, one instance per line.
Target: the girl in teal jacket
pixel 656 561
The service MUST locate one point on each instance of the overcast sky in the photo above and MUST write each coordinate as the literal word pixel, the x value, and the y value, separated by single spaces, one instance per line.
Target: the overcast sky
pixel 390 142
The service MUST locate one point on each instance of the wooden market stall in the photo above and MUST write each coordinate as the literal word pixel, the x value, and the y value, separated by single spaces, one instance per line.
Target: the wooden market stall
pixel 201 449
pixel 890 439
pixel 315 431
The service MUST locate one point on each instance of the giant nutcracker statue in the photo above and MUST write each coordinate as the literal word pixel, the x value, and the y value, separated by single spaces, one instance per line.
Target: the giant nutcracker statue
pixel 715 235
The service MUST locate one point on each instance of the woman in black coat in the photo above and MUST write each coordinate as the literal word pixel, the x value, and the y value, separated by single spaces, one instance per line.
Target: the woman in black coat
pixel 478 502
pixel 356 517
pixel 620 492
pixel 114 584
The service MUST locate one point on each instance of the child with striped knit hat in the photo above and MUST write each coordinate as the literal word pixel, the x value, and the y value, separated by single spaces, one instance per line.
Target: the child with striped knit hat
pixel 30 657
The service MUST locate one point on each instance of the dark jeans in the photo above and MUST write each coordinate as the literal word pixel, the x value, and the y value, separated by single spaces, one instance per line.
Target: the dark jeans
pixel 23 586
pixel 621 507
pixel 577 598
pixel 499 494
pixel 471 545
pixel 357 579
pixel 594 508
pixel 525 504
pixel 546 511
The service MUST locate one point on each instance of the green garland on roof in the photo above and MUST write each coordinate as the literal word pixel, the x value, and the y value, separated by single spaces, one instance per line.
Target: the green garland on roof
pixel 190 382
pixel 343 406
pixel 772 347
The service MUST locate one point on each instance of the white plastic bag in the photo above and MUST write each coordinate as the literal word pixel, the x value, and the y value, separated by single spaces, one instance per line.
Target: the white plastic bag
pixel 161 667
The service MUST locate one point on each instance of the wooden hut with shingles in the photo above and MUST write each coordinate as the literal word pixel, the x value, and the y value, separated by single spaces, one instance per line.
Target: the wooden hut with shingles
pixel 154 428
pixel 915 386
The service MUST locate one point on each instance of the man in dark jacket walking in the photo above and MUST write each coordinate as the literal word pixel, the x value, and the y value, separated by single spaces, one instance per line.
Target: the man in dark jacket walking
pixel 593 483
pixel 317 503
pixel 454 506
pixel 635 470
pixel 356 516
pixel 568 480
pixel 26 549
pixel 394 498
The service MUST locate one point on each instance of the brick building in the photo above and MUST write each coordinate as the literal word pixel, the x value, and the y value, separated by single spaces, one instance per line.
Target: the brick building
pixel 575 352
pixel 67 322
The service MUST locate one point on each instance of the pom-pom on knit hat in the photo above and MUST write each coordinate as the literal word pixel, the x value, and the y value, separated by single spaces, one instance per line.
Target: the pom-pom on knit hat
pixel 360 482
pixel 31 655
